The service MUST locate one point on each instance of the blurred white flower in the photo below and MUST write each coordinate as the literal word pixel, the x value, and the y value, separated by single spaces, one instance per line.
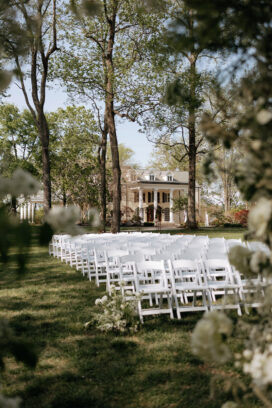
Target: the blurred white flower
pixel 258 260
pixel 259 217
pixel 239 257
pixel 97 301
pixel 21 183
pixel 207 340
pixel 264 116
pixel 24 183
pixel 94 217
pixel 256 144
pixel 104 299
pixel 230 404
pixel 260 367
pixel 6 402
pixel 247 354
pixel 64 219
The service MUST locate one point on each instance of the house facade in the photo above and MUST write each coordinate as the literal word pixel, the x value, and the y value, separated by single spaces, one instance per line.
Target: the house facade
pixel 150 194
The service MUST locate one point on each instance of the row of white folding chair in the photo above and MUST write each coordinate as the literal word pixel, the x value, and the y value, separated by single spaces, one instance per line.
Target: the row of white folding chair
pixel 187 279
pixel 151 282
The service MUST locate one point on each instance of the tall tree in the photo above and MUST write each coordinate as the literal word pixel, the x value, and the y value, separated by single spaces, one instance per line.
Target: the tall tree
pixel 99 63
pixel 173 123
pixel 38 17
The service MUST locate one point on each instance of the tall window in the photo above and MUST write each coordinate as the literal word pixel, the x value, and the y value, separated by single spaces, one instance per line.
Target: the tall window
pixel 166 214
pixel 165 197
pixel 151 177
pixel 169 178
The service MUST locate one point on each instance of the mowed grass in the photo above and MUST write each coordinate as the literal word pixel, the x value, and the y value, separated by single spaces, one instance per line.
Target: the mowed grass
pixel 86 369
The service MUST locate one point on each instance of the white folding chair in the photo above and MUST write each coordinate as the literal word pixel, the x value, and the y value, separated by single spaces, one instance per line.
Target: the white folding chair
pixel 151 282
pixel 222 282
pixel 187 282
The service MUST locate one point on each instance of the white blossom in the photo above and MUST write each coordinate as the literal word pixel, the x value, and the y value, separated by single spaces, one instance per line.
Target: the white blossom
pixel 264 116
pixel 260 367
pixel 230 404
pixel 6 402
pixel 259 217
pixel 104 299
pixel 247 354
pixel 64 219
pixel 239 257
pixel 21 183
pixel 257 260
pixel 207 340
pixel 94 217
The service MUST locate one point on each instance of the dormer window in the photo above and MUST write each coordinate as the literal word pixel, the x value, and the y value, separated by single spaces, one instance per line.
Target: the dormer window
pixel 169 178
pixel 151 177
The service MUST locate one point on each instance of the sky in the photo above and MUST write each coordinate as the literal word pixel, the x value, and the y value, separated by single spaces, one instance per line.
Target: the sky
pixel 127 132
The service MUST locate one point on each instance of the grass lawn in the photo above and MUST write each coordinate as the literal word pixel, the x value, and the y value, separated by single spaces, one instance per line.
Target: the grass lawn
pixel 87 369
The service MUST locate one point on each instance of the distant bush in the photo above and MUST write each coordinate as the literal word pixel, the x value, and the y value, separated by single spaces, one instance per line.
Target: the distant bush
pixel 39 216
pixel 241 217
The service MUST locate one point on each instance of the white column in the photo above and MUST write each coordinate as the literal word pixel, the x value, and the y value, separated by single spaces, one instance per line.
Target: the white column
pixel 33 212
pixel 155 203
pixel 25 209
pixel 171 206
pixel 206 219
pixel 141 204
pixel 29 211
pixel 21 212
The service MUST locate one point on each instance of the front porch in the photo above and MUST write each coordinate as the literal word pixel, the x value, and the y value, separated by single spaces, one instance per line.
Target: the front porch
pixel 156 205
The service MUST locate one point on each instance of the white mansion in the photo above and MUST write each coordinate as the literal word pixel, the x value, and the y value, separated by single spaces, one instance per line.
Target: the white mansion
pixel 148 194
pixel 151 193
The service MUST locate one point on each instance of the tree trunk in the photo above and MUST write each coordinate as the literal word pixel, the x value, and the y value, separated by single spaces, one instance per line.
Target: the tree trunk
pixel 192 148
pixel 116 171
pixel 192 173
pixel 64 198
pixel 110 121
pixel 44 138
pixel 103 179
pixel 13 205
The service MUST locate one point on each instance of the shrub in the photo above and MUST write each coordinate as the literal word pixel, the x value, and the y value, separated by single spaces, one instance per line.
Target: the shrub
pixel 241 217
pixel 39 216
pixel 116 313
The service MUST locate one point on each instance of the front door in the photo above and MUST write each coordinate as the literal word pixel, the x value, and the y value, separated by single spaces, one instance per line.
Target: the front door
pixel 150 213
pixel 159 213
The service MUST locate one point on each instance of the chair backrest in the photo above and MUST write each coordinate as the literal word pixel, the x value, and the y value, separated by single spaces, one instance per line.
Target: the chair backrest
pixel 185 270
pixel 146 266
pixel 219 268
pixel 150 273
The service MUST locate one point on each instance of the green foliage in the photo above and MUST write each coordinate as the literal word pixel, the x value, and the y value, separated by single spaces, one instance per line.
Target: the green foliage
pixel 11 33
pixel 180 204
pixel 18 141
pixel 74 165
pixel 39 216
